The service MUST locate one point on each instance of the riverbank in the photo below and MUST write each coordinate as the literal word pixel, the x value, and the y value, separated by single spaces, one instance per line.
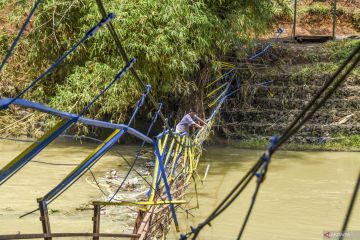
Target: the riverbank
pixel 336 144
pixel 296 72
pixel 293 184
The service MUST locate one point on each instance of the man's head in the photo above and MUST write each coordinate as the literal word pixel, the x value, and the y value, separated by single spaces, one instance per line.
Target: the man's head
pixel 192 112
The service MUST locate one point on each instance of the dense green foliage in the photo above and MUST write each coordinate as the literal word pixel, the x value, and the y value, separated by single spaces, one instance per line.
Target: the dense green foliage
pixel 316 9
pixel 171 39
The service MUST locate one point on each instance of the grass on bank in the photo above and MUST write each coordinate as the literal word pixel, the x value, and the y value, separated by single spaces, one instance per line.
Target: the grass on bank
pixel 324 10
pixel 336 52
pixel 339 143
pixel 308 71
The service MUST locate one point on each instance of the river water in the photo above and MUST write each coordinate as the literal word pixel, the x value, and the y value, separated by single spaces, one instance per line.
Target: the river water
pixel 305 193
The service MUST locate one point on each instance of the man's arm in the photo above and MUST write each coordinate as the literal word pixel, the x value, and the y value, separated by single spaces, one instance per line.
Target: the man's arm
pixel 200 120
pixel 192 123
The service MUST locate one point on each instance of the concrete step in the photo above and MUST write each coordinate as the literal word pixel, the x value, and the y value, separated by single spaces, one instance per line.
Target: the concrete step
pixel 258 111
pixel 301 53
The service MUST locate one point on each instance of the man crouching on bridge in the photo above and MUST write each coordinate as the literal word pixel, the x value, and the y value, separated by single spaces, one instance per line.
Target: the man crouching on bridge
pixel 189 120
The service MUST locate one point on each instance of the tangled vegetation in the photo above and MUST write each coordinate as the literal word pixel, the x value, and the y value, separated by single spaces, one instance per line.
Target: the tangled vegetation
pixel 171 40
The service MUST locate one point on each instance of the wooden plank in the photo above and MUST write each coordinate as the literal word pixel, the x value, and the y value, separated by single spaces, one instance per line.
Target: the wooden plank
pixel 96 222
pixel 144 232
pixel 145 220
pixel 44 218
pixel 127 203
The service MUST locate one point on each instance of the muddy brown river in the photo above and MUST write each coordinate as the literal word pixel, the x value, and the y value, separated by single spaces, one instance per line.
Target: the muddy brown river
pixel 305 193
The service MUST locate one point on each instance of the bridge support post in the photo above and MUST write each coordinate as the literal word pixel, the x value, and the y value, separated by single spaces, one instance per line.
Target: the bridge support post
pixel 294 20
pixel 334 20
pixel 44 218
pixel 96 221
pixel 160 158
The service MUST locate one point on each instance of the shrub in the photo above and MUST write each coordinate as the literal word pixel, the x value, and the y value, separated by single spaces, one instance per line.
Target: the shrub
pixel 171 39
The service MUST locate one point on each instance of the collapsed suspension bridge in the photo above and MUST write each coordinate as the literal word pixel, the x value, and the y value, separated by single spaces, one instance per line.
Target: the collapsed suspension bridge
pixel 176 155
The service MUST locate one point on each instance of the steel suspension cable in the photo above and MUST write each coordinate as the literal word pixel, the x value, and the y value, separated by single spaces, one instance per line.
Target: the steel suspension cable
pixel 138 153
pixel 57 191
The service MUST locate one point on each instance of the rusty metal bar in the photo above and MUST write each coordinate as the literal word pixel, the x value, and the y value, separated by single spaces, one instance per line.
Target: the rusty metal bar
pixel 44 218
pixel 334 20
pixel 96 220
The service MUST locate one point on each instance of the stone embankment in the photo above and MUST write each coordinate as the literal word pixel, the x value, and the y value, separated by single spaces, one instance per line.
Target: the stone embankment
pixel 297 72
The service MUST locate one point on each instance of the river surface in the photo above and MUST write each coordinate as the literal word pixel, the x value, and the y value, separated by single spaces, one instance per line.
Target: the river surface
pixel 305 193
